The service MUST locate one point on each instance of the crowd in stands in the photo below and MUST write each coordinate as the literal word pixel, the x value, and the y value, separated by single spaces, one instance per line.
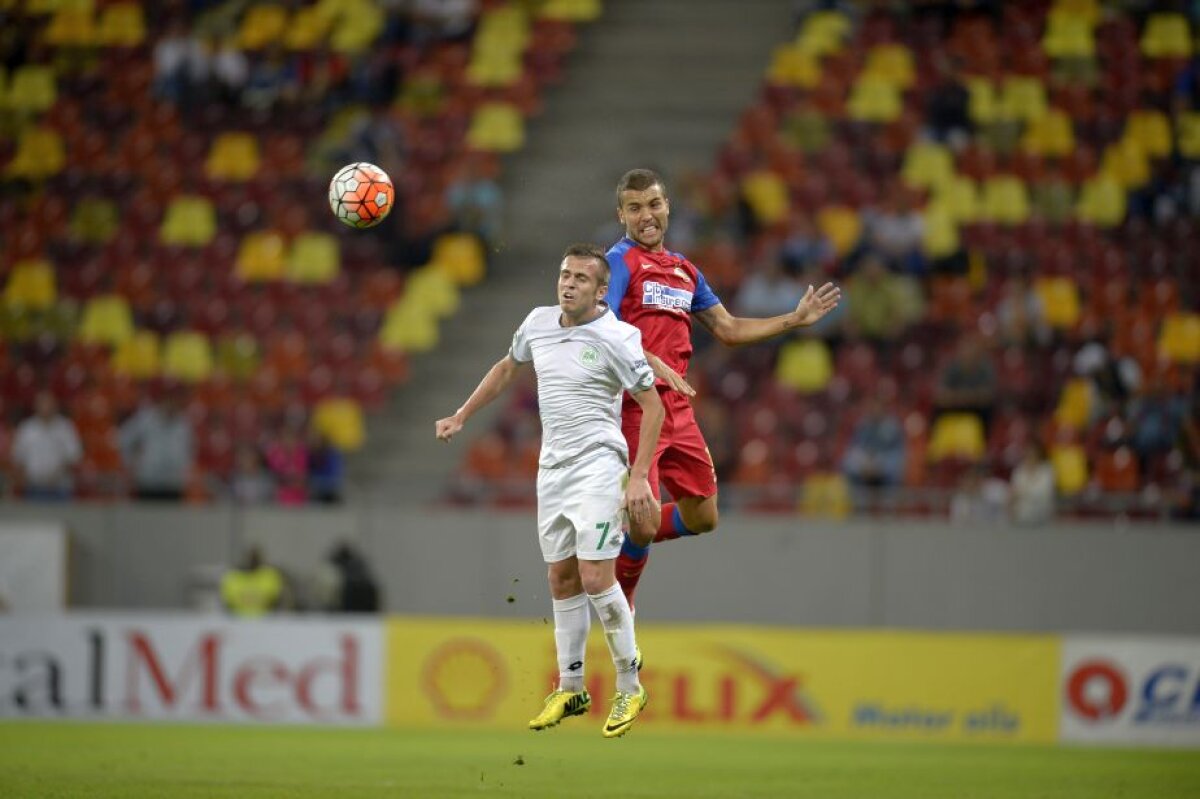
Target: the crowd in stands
pixel 1010 195
pixel 179 304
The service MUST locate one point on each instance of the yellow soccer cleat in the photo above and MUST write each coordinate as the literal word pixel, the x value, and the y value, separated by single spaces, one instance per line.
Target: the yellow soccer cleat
pixel 626 708
pixel 560 705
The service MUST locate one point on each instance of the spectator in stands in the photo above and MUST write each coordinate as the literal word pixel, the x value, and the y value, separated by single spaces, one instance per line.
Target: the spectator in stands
pixel 805 247
pixel 967 381
pixel 250 483
pixel 287 458
pixel 254 589
pixel 1116 379
pixel 894 231
pixel 172 54
pixel 979 499
pixel 946 110
pixel 443 20
pixel 882 304
pixel 326 470
pixel 1156 421
pixel 45 449
pixel 231 71
pixel 272 81
pixel 345 583
pixel 875 456
pixel 158 448
pixel 1020 315
pixel 1032 487
pixel 476 202
pixel 768 290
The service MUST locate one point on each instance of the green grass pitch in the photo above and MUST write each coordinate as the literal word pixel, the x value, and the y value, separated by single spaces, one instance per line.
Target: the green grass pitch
pixel 135 760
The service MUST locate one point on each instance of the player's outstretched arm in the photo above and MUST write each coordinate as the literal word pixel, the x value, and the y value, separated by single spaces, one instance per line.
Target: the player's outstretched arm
pixel 639 499
pixel 669 376
pixel 734 331
pixel 498 378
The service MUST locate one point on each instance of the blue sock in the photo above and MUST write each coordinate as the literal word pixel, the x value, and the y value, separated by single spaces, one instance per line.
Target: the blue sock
pixel 633 551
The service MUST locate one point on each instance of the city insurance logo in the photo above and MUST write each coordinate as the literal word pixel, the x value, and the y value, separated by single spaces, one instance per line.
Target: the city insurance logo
pixel 1099 691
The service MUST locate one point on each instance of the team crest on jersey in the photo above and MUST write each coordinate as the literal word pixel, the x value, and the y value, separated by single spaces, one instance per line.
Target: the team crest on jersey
pixel 669 298
pixel 590 356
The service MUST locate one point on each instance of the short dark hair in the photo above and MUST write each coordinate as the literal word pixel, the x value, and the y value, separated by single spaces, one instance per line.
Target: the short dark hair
pixel 587 250
pixel 639 180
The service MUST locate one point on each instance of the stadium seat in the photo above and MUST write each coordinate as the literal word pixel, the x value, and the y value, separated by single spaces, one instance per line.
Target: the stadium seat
pixel 138 356
pixel 824 32
pixel 1101 202
pixel 1187 134
pixel 187 357
pixel 340 419
pixel 1075 404
pixel 792 66
pixel 1117 470
pixel 1051 134
pixel 308 29
pixel 804 366
pixel 121 24
pixel 31 286
pixel 1179 339
pixel 874 99
pixel 842 226
pixel 432 291
pixel 459 255
pixel 32 89
pixel 1070 468
pixel 262 25
pixel 825 495
pixel 766 193
pixel 1059 297
pixel 892 63
pixel 94 220
pixel 940 238
pixel 314 259
pixel 1126 162
pixel 572 10
pixel 957 436
pixel 961 197
pixel 106 320
pixel 1166 35
pixel 983 101
pixel 356 28
pixel 190 221
pixel 261 257
pixel 237 356
pixel 927 165
pixel 1069 36
pixel 71 27
pixel 1023 98
pixel 40 154
pixel 1053 201
pixel 234 157
pixel 496 127
pixel 1151 130
pixel 287 355
pixel 1005 200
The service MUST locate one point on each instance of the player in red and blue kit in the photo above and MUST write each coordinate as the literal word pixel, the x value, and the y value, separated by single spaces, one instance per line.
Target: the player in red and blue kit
pixel 658 292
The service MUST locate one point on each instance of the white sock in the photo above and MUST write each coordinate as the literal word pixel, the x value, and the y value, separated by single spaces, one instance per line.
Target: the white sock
pixel 572 620
pixel 613 610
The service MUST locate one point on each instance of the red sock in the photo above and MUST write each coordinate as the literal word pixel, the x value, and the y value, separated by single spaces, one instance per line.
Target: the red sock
pixel 629 571
pixel 668 525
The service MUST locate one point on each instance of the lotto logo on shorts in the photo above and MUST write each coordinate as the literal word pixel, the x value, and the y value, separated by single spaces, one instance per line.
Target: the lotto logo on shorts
pixel 656 295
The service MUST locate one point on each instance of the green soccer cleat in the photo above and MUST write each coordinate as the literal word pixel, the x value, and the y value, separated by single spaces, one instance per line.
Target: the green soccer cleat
pixel 626 708
pixel 560 705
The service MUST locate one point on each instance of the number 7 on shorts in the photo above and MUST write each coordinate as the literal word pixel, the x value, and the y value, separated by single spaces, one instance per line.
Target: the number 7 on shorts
pixel 603 526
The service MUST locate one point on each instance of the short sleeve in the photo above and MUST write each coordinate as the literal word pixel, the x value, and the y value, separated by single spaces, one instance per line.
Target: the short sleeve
pixel 704 297
pixel 520 349
pixel 618 282
pixel 629 360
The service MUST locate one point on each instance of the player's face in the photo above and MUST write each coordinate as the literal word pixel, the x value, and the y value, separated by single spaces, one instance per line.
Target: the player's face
pixel 644 215
pixel 579 286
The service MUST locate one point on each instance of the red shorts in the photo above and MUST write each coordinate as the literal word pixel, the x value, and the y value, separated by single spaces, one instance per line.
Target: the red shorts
pixel 682 462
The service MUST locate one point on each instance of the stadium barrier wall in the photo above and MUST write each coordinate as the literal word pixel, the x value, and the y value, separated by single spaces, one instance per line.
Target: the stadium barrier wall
pixel 784 571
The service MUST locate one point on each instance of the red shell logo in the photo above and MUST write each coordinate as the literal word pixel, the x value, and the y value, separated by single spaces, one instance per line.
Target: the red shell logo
pixel 1097 690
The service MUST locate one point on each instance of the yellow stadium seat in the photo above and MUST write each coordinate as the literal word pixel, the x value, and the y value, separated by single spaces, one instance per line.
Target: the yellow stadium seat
pixel 497 127
pixel 189 221
pixel 791 66
pixel 408 328
pixel 841 225
pixel 40 154
pixel 1070 468
pixel 1051 134
pixel 1126 162
pixel 960 195
pixel 1086 10
pixel 138 356
pixel 495 69
pixel 1179 339
pixel 1187 133
pixel 1166 36
pixel 927 165
pixel 874 100
pixel 433 290
pixel 1060 301
pixel 340 420
pixel 804 365
pixel 122 25
pixel 892 63
pixel 314 258
pixel 1005 200
pixel 766 193
pixel 1068 36
pixel 826 495
pixel 94 221
pixel 356 30
pixel 1053 201
pixel 983 102
pixel 263 25
pixel 461 257
pixel 71 27
pixel 1151 129
pixel 823 32
pixel 308 30
pixel 940 237
pixel 957 435
pixel 31 286
pixel 238 356
pixel 187 357
pixel 570 10
pixel 233 157
pixel 1101 201
pixel 1023 98
pixel 106 320
pixel 1075 404
pixel 261 257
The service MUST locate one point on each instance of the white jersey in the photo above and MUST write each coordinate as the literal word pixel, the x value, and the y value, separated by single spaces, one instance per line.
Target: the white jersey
pixel 581 373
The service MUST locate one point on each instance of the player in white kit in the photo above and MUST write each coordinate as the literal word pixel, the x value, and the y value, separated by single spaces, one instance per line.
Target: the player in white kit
pixel 585 358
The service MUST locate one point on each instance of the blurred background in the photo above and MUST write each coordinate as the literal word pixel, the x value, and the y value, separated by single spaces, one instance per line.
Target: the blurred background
pixel 204 374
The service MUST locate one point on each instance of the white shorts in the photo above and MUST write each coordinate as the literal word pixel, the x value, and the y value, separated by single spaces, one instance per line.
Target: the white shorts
pixel 579 508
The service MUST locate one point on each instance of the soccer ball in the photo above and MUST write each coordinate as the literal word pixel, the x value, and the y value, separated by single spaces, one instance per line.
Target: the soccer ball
pixel 361 195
